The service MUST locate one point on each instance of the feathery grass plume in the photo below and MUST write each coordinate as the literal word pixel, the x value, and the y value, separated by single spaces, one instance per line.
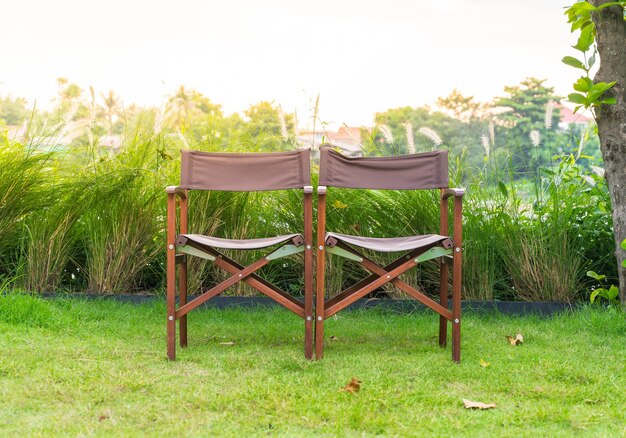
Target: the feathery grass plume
pixel 316 110
pixel 410 139
pixel 492 131
pixel 283 123
pixel 589 180
pixel 359 140
pixel 158 122
pixel 295 122
pixel 182 138
pixel 598 171
pixel 535 137
pixel 432 135
pixel 581 144
pixel 386 132
pixel 549 113
pixel 93 123
pixel 485 141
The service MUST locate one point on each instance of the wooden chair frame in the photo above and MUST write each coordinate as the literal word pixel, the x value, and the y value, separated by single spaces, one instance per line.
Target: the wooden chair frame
pixel 177 256
pixel 389 274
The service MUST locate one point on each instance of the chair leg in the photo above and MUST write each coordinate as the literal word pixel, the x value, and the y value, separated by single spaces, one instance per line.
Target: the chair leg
pixel 443 300
pixel 319 336
pixel 182 298
pixel 171 305
pixel 319 307
pixel 308 303
pixel 308 337
pixel 456 309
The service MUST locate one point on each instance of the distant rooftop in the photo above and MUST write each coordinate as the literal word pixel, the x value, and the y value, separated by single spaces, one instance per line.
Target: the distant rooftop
pixel 568 116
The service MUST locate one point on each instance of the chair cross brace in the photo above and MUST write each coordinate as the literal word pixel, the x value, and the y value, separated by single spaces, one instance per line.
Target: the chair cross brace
pixel 382 275
pixel 247 275
pixel 230 281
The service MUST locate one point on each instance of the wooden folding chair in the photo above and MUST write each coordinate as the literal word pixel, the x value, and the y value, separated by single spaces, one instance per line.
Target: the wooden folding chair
pixel 236 172
pixel 427 170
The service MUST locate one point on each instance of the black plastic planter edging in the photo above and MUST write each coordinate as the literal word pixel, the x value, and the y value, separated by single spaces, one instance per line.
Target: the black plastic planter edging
pixel 402 306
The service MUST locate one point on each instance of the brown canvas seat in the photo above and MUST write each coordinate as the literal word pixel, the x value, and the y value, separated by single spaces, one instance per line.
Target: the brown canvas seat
pixel 427 170
pixel 243 173
pixel 243 244
pixel 389 244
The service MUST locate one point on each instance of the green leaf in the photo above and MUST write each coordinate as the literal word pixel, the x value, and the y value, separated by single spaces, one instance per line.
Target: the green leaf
pixel 613 293
pixel 503 189
pixel 577 98
pixel 586 39
pixel 609 101
pixel 597 91
pixel 592 60
pixel 573 62
pixel 579 23
pixel 623 245
pixel 595 275
pixel 583 84
pixel 594 294
pixel 603 86
pixel 583 8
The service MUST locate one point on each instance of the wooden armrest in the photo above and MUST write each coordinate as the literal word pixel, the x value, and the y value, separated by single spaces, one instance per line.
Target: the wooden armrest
pixel 452 192
pixel 176 190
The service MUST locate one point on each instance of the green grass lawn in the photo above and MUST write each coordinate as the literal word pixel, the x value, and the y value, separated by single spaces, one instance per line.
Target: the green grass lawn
pixel 76 367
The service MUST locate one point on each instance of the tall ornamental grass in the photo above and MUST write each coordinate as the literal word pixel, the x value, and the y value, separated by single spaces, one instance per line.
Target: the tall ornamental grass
pixel 23 189
pixel 92 219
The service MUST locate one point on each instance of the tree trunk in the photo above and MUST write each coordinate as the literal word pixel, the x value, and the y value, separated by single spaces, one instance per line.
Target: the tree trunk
pixel 611 119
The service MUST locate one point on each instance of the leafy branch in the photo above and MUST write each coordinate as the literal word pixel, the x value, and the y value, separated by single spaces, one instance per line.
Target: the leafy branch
pixel 589 94
pixel 612 293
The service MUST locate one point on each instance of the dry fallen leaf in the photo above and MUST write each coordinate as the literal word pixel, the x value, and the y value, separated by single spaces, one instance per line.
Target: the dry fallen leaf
pixel 484 364
pixel 477 405
pixel 228 343
pixel 103 417
pixel 353 386
pixel 333 338
pixel 517 340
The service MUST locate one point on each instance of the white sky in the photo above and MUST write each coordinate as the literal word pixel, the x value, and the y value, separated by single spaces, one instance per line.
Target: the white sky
pixel 361 56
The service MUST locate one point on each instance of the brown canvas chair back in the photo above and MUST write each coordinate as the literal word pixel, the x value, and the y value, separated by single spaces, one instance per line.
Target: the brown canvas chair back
pixel 245 172
pixel 427 170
